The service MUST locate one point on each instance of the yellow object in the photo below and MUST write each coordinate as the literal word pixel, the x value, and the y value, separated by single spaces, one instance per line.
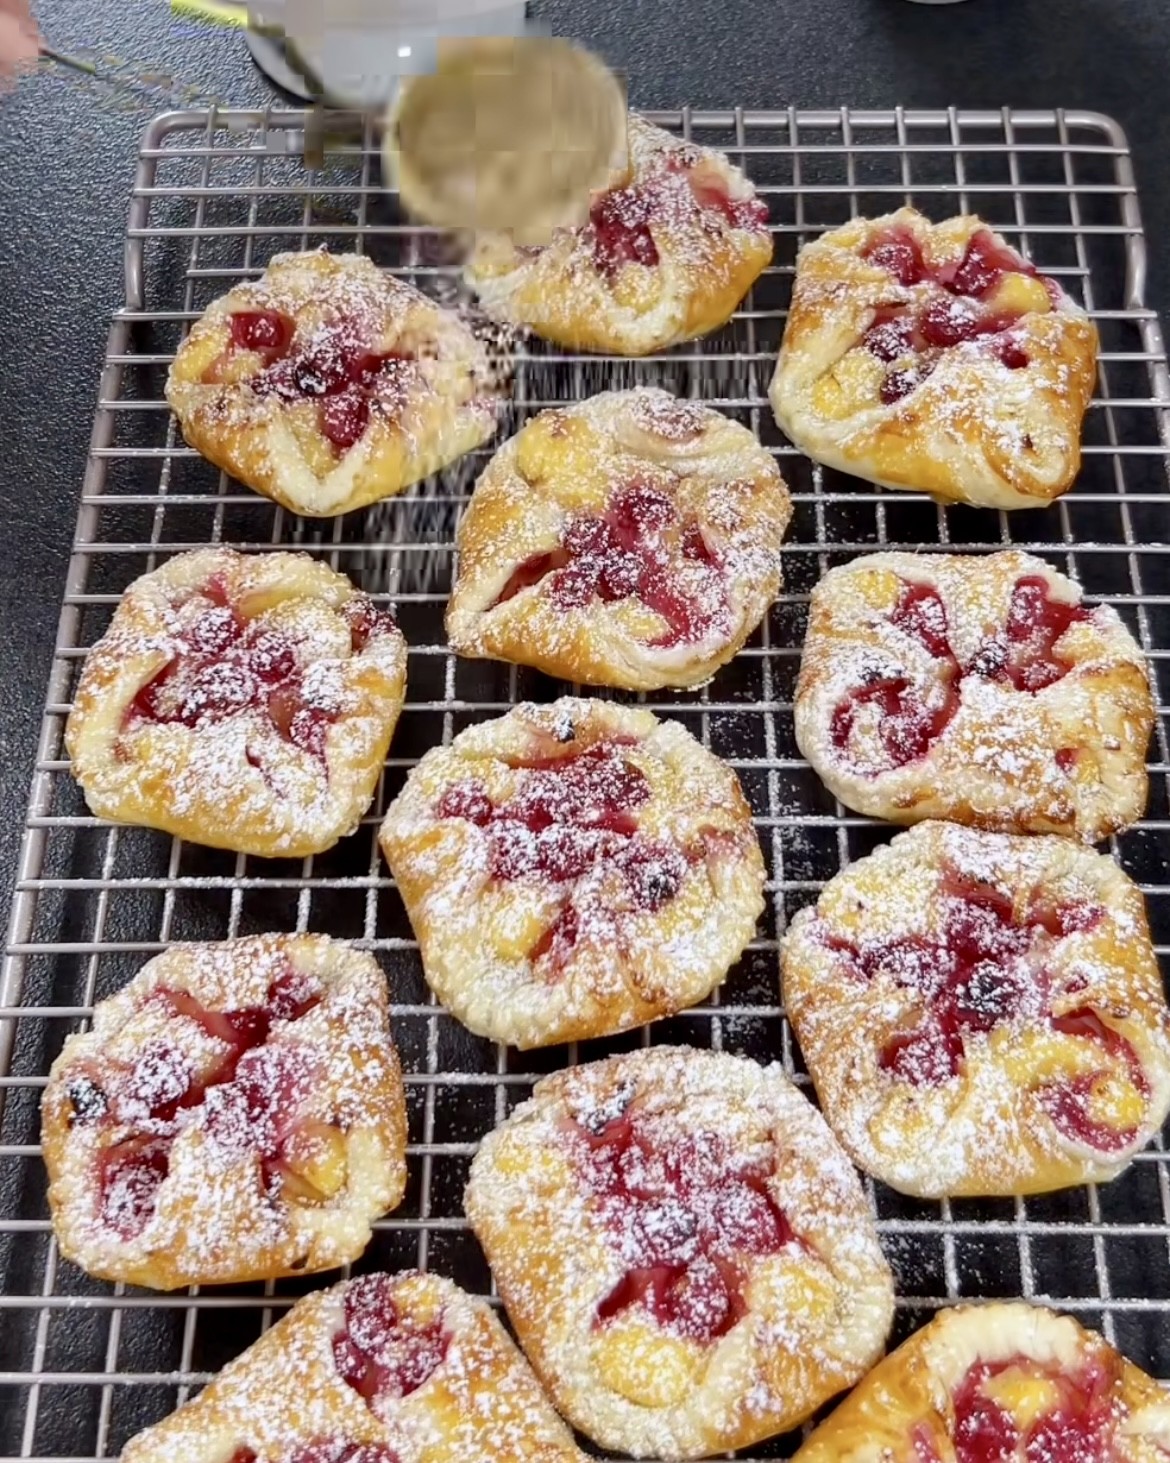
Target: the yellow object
pixel 214 12
pixel 1021 293
pixel 1025 1394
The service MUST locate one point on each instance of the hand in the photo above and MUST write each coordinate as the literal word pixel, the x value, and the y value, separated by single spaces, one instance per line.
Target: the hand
pixel 20 41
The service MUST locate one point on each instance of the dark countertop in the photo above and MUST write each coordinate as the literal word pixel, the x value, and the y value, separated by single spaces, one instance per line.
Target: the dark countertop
pixel 69 148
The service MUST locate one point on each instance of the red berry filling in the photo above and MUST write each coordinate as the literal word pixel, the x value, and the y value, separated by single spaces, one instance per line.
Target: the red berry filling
pixel 684 1214
pixel 225 665
pixel 898 252
pixel 335 367
pixel 248 1095
pixel 673 196
pixel 1069 1103
pixel 912 718
pixel 268 331
pixel 955 313
pixel 1025 654
pixel 383 1353
pixel 983 967
pixel 324 1450
pixel 639 548
pixel 619 224
pixel 573 816
pixel 1080 1428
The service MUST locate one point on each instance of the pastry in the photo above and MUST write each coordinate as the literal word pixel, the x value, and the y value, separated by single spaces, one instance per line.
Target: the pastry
pixel 995 1384
pixel 574 870
pixel 686 1256
pixel 982 1014
pixel 976 689
pixel 382 1369
pixel 630 540
pixel 328 384
pixel 235 1113
pixel 244 701
pixel 935 357
pixel 668 252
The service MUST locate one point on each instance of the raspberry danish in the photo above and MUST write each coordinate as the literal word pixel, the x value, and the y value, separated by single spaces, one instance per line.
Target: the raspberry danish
pixel 686 1256
pixel 981 690
pixel 236 1113
pixel 328 384
pixel 982 1014
pixel 382 1369
pixel 239 701
pixel 574 870
pixel 994 1384
pixel 630 540
pixel 667 253
pixel 935 357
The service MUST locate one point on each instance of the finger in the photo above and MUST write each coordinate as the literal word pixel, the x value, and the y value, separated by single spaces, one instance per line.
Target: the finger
pixel 19 44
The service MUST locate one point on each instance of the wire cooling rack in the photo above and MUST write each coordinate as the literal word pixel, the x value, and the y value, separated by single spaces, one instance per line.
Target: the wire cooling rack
pixel 83 1365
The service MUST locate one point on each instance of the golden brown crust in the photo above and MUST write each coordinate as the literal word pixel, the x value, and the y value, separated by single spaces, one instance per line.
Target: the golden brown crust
pixel 648 942
pixel 480 1404
pixel 904 1411
pixel 1067 758
pixel 1072 1034
pixel 814 1314
pixel 705 263
pixel 439 402
pixel 237 781
pixel 575 463
pixel 338 1159
pixel 974 431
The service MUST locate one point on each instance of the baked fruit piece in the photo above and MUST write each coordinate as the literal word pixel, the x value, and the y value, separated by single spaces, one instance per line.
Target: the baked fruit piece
pixel 235 1113
pixel 668 252
pixel 686 1256
pixel 573 870
pixel 632 540
pixel 382 1369
pixel 976 689
pixel 243 701
pixel 328 384
pixel 981 1014
pixel 993 1384
pixel 935 357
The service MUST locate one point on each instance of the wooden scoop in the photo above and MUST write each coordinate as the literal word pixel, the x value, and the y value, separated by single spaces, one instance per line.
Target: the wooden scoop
pixel 507 133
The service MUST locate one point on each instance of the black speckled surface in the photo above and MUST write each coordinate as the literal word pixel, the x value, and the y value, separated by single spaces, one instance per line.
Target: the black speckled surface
pixel 68 159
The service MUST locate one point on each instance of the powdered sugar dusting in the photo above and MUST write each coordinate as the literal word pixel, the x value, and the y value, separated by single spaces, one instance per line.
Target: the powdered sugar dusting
pixel 330 383
pixel 255 722
pixel 974 987
pixel 628 540
pixel 691 1197
pixel 220 1120
pixel 666 254
pixel 977 689
pixel 439 1377
pixel 578 850
pixel 911 361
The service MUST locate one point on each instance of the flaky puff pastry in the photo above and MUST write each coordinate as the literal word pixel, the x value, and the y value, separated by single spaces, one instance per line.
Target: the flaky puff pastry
pixel 997 1381
pixel 686 1255
pixel 328 384
pixel 935 357
pixel 244 701
pixel 981 690
pixel 400 1368
pixel 573 870
pixel 982 1014
pixel 630 540
pixel 235 1113
pixel 668 252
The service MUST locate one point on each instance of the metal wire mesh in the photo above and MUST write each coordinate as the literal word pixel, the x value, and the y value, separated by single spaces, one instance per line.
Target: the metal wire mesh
pixel 84 1364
